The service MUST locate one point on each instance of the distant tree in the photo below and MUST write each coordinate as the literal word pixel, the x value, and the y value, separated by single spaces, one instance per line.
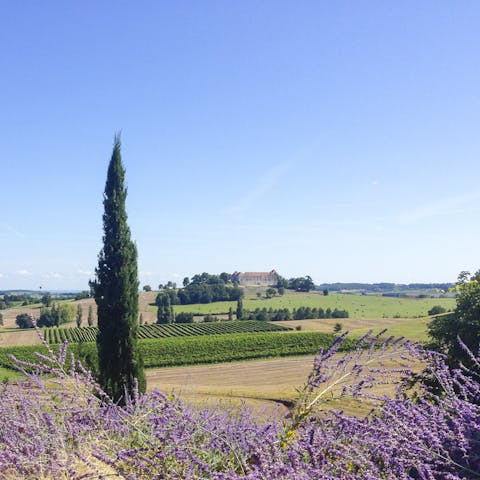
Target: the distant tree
pixel 147 288
pixel 115 290
pixel 184 317
pixel 186 281
pixel 160 286
pixel 281 290
pixel 90 316
pixel 325 292
pixel 81 295
pixel 226 277
pixel 270 292
pixel 282 282
pixel 47 299
pixel 1 319
pixel 140 320
pixel 337 327
pixel 165 310
pixel 24 321
pixel 436 310
pixel 259 294
pixel 230 314
pixel 79 315
pixel 66 313
pixel 301 284
pixel 239 309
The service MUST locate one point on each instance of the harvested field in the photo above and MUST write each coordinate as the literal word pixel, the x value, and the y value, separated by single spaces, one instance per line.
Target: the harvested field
pixel 268 386
pixel 18 338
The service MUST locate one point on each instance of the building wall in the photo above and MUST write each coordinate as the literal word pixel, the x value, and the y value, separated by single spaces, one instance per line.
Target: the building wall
pixel 256 278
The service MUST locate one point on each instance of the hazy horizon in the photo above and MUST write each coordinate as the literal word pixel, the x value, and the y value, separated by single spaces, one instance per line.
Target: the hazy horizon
pixel 337 140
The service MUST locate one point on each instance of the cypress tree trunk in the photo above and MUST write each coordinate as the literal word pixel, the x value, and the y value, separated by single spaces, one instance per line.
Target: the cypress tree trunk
pixel 116 291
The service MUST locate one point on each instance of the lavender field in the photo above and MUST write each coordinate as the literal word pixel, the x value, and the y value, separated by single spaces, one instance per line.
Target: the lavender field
pixel 58 424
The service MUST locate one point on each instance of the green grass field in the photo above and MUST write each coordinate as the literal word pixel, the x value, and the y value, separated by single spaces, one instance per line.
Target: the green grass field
pixel 358 306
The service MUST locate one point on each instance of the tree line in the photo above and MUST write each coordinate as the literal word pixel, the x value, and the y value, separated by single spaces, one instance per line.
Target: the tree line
pixel 202 288
pixel 300 313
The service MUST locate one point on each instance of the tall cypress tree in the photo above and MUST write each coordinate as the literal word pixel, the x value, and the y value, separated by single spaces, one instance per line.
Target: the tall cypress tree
pixel 116 291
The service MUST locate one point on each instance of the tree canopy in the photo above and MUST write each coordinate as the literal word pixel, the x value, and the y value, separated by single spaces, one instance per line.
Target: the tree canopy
pixel 463 323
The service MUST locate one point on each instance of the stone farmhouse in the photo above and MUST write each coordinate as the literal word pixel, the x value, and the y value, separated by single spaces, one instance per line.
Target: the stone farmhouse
pixel 255 278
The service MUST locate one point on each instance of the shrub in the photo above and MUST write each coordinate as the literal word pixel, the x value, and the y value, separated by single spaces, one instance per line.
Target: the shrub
pixel 184 317
pixel 436 310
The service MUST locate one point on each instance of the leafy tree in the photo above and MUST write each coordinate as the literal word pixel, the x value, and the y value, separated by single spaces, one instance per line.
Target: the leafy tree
pixel 186 281
pixel 1 319
pixel 226 277
pixel 24 321
pixel 270 292
pixel 140 320
pixel 230 314
pixel 463 323
pixel 47 299
pixel 325 292
pixel 239 309
pixel 115 290
pixel 90 316
pixel 79 316
pixel 147 288
pixel 337 327
pixel 301 284
pixel 281 290
pixel 66 313
pixel 282 282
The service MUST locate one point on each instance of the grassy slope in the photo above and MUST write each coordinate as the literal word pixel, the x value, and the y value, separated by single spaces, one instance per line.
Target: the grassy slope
pixel 358 306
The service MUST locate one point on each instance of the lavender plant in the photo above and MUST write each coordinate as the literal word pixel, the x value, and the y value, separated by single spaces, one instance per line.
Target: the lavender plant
pixel 57 423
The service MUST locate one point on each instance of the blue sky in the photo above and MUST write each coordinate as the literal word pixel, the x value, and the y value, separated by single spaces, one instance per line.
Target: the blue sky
pixel 336 139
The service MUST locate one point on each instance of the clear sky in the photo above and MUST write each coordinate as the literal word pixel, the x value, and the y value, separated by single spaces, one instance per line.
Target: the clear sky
pixel 336 139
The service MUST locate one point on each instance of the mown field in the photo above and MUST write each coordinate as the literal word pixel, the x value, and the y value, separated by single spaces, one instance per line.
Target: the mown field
pixel 358 306
pixel 414 329
pixel 267 386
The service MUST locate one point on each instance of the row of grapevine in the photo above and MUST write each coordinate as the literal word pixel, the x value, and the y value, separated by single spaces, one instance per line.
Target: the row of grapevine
pixel 190 350
pixel 89 334
pixel 60 335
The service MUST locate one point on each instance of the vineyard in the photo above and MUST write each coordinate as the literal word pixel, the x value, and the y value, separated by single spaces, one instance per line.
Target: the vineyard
pixel 192 350
pixel 55 335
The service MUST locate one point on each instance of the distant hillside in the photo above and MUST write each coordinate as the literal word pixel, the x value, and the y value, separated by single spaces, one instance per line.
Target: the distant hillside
pixel 427 288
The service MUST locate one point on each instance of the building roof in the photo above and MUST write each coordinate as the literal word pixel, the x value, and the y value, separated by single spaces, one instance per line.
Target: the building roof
pixel 256 274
